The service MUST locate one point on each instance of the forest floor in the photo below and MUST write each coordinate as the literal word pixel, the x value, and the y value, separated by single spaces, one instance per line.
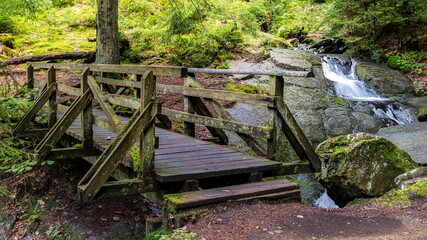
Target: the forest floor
pixel 43 204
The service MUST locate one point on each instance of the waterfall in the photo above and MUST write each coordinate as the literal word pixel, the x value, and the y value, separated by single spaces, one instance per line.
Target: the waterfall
pixel 348 86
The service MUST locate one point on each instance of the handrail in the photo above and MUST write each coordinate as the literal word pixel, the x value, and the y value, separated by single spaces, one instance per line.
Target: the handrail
pixel 283 73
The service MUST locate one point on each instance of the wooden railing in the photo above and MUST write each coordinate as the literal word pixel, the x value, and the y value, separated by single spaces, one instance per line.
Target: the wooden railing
pixel 200 107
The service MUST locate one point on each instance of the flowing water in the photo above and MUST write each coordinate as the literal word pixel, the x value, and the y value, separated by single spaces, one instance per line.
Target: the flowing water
pixel 325 201
pixel 348 86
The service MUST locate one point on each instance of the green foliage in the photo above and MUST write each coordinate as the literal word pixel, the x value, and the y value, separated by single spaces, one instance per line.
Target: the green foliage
pixel 409 61
pixel 179 234
pixel 156 235
pixel 365 23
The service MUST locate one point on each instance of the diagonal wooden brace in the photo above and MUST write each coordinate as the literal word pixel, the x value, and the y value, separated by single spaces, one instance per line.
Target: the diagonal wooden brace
pixel 97 176
pixel 31 113
pixel 296 137
pixel 61 126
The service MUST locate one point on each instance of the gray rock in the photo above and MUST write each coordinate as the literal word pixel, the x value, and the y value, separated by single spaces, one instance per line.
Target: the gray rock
pixel 294 60
pixel 323 43
pixel 338 121
pixel 299 98
pixel 311 124
pixel 360 165
pixel 411 137
pixel 364 122
pixel 384 79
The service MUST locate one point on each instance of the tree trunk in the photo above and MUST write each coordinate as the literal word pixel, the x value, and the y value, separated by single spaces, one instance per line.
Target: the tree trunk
pixel 107 32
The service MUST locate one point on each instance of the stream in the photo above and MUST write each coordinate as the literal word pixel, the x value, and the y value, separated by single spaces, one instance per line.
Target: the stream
pixel 347 85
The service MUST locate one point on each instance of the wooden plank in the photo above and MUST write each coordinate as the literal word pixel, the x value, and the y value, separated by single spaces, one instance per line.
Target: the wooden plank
pixel 178 72
pixel 117 82
pixel 192 154
pixel 71 153
pixel 169 88
pixel 52 107
pixel 261 100
pixel 256 131
pixel 56 132
pixel 69 90
pixel 125 101
pixel 207 172
pixel 124 188
pixel 183 149
pixel 209 196
pixel 31 113
pixel 287 73
pixel 98 174
pixel 297 138
pixel 217 166
pixel 209 162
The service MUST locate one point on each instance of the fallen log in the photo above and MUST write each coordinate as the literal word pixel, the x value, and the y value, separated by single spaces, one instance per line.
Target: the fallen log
pixel 89 55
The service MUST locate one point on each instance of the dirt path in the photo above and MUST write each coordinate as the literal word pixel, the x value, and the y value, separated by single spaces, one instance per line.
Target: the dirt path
pixel 293 220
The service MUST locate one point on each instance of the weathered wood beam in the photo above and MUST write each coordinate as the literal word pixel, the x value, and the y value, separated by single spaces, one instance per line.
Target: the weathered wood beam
pixel 261 100
pixel 287 73
pixel 169 88
pixel 178 72
pixel 256 131
pixel 86 117
pixel 31 113
pixel 296 137
pixel 52 107
pixel 125 188
pixel 71 153
pixel 117 82
pixel 69 90
pixel 189 127
pixel 125 101
pixel 273 144
pixel 147 140
pixel 165 122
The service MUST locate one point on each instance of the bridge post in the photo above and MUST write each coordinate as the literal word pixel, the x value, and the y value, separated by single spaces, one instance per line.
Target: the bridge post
pixel 147 139
pixel 87 119
pixel 52 106
pixel 30 79
pixel 273 144
pixel 189 127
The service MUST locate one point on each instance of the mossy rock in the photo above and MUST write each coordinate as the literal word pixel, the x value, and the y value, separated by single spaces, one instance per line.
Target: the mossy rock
pixel 422 115
pixel 7 39
pixel 361 165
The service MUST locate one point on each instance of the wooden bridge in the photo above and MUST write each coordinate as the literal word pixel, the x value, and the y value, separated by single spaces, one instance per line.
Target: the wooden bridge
pixel 165 161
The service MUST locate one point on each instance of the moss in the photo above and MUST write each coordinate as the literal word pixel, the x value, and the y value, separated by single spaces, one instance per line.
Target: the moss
pixel 246 88
pixel 423 111
pixel 156 235
pixel 404 197
pixel 7 39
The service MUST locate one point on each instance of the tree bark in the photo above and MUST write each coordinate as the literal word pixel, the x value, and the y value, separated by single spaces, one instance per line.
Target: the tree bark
pixel 107 32
pixel 51 56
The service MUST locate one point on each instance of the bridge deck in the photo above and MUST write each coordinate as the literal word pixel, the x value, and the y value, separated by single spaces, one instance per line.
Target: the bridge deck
pixel 180 157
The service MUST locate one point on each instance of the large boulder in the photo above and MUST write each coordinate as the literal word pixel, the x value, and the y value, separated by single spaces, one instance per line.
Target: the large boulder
pixel 384 79
pixel 360 165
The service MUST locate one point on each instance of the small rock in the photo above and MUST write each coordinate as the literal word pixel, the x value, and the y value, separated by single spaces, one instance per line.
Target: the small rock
pixel 300 216
pixel 278 231
pixel 108 138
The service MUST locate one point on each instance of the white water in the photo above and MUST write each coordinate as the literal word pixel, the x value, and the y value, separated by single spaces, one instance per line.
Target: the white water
pixel 325 201
pixel 348 86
